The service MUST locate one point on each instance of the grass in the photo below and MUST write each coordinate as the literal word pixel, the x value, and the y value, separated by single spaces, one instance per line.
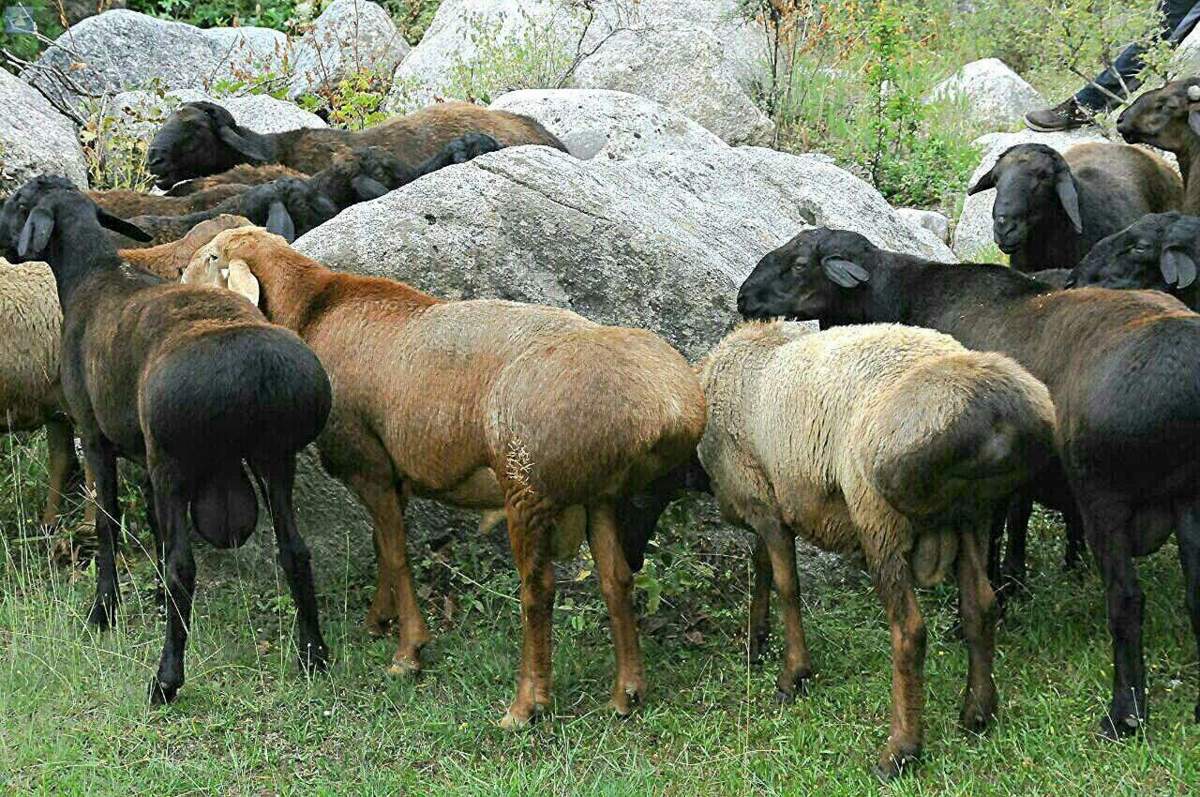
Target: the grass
pixel 73 716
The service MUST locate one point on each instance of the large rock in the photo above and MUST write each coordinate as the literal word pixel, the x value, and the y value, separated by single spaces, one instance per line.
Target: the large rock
pixel 995 94
pixel 1187 56
pixel 78 10
pixel 349 36
pixel 661 241
pixel 973 234
pixel 596 123
pixel 35 138
pixel 698 57
pixel 931 220
pixel 118 50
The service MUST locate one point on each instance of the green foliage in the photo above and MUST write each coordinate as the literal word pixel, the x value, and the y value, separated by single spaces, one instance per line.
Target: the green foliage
pixel 49 24
pixel 356 102
pixel 219 13
pixel 116 139
pixel 412 16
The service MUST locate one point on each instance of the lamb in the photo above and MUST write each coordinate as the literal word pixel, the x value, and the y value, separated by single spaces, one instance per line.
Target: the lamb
pixel 1122 370
pixel 1158 252
pixel 201 138
pixel 477 404
pixel 1169 118
pixel 817 434
pixel 127 204
pixel 193 383
pixel 1051 209
pixel 169 260
pixel 244 174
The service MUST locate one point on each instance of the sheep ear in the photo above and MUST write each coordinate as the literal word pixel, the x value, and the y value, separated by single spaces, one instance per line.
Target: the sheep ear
pixel 1194 121
pixel 279 221
pixel 367 188
pixel 986 182
pixel 123 227
pixel 242 280
pixel 1178 268
pixel 35 235
pixel 252 152
pixel 1069 197
pixel 845 273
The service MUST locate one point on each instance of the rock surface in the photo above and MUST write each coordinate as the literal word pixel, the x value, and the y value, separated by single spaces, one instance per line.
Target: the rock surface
pixel 35 138
pixel 994 93
pixel 120 49
pixel 973 234
pixel 350 35
pixel 611 125
pixel 698 57
pixel 931 220
pixel 78 10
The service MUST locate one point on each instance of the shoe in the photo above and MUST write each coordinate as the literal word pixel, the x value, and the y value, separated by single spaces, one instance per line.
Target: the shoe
pixel 1067 115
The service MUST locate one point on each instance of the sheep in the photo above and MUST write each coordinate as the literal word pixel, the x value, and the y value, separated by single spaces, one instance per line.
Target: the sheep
pixel 1157 252
pixel 127 204
pixel 1169 118
pixel 1122 370
pixel 1051 209
pixel 1058 277
pixel 201 138
pixel 192 383
pixel 477 404
pixel 883 440
pixel 238 175
pixel 169 260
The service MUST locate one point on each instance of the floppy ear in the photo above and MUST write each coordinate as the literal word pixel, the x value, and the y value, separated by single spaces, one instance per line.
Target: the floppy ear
pixel 1194 121
pixel 121 226
pixel 252 152
pixel 367 189
pixel 985 182
pixel 279 221
pixel 1178 268
pixel 35 236
pixel 845 273
pixel 1064 186
pixel 242 280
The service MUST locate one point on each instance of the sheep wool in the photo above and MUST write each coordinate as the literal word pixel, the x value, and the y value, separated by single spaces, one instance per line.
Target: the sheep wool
pixel 30 320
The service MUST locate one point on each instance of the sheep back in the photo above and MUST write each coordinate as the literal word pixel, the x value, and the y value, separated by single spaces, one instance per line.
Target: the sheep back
pixel 1119 184
pixel 30 329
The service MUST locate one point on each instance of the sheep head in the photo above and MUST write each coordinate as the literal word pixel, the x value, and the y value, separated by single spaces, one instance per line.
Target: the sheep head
pixel 1134 258
pixel 1166 117
pixel 818 275
pixel 1033 183
pixel 32 215
pixel 287 207
pixel 199 139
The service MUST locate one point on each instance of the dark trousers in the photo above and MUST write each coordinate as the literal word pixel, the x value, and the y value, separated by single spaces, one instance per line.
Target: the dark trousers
pixel 1179 17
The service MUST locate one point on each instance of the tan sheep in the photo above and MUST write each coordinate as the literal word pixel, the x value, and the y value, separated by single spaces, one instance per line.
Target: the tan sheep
pixel 887 440
pixel 481 404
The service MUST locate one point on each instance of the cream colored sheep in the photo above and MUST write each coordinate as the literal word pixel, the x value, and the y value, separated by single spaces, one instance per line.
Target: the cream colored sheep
pixel 886 440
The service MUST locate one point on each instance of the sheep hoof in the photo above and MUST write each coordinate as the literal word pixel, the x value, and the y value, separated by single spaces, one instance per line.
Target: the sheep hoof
pixel 1113 730
pixel 626 700
pixel 314 658
pixel 104 613
pixel 976 719
pixel 758 644
pixel 378 626
pixel 894 763
pixel 785 697
pixel 162 693
pixel 516 719
pixel 404 667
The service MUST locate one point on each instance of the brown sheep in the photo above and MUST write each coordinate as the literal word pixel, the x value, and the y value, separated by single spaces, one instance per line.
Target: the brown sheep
pixel 238 175
pixel 170 259
pixel 1169 118
pixel 478 404
pixel 202 138
pixel 128 204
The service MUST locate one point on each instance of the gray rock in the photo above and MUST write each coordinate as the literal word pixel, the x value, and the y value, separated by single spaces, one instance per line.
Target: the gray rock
pixel 659 241
pixel 973 233
pixel 995 94
pixel 595 123
pixel 349 36
pixel 35 138
pixel 1187 56
pixel 698 57
pixel 931 220
pixel 118 50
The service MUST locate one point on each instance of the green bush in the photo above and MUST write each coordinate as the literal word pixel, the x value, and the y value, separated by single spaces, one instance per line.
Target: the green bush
pixel 217 13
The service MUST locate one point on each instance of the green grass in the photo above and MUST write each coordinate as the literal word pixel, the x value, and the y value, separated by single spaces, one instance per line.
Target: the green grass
pixel 74 720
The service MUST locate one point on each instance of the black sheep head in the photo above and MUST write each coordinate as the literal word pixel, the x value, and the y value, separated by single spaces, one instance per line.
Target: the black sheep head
pixel 31 215
pixel 1033 185
pixel 817 276
pixel 363 174
pixel 470 146
pixel 199 139
pixel 288 207
pixel 1166 117
pixel 1138 257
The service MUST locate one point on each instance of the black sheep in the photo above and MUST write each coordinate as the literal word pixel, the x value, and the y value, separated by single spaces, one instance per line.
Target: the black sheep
pixel 1157 252
pixel 1121 366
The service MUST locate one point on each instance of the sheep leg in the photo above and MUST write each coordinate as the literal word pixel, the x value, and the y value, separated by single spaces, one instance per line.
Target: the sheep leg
pixel 395 594
pixel 102 460
pixel 781 550
pixel 1187 532
pixel 171 502
pixel 60 443
pixel 996 540
pixel 160 551
pixel 895 588
pixel 616 582
pixel 978 609
pixel 279 477
pixel 1012 578
pixel 529 536
pixel 1107 524
pixel 1076 544
pixel 760 603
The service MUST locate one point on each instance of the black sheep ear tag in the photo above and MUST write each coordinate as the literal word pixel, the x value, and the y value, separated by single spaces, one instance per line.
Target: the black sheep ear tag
pixel 845 273
pixel 1178 269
